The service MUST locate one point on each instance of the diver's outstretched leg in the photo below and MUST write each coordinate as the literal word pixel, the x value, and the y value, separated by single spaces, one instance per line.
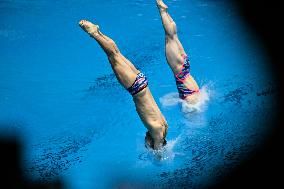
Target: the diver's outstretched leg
pixel 123 57
pixel 107 44
pixel 125 71
pixel 169 24
pixel 174 49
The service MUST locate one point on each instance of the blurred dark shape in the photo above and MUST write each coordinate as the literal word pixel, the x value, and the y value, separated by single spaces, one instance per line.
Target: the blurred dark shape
pixel 12 175
pixel 263 169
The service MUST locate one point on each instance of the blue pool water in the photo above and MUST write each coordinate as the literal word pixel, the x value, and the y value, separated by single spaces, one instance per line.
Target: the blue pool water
pixel 58 92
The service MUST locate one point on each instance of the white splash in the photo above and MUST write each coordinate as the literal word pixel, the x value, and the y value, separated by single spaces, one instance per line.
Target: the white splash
pixel 159 157
pixel 173 99
pixel 200 105
pixel 170 99
pixel 167 153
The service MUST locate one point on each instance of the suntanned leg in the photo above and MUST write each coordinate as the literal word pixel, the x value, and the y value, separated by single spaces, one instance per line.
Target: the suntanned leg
pixel 123 57
pixel 168 23
pixel 174 48
pixel 125 72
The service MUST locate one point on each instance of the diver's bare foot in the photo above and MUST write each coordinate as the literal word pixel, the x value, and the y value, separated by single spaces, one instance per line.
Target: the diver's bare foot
pixel 161 5
pixel 89 27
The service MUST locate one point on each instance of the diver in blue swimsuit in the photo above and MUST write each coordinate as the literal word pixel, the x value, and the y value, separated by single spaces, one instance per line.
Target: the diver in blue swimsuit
pixel 177 59
pixel 137 85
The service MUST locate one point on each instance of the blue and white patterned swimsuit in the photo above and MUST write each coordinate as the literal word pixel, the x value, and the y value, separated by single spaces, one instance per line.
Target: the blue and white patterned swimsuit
pixel 139 84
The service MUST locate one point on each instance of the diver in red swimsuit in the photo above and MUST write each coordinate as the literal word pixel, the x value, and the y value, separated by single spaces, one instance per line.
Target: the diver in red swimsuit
pixel 177 59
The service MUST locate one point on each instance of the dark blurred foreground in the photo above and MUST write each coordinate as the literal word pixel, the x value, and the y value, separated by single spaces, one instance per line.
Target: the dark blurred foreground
pixel 263 169
pixel 12 175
